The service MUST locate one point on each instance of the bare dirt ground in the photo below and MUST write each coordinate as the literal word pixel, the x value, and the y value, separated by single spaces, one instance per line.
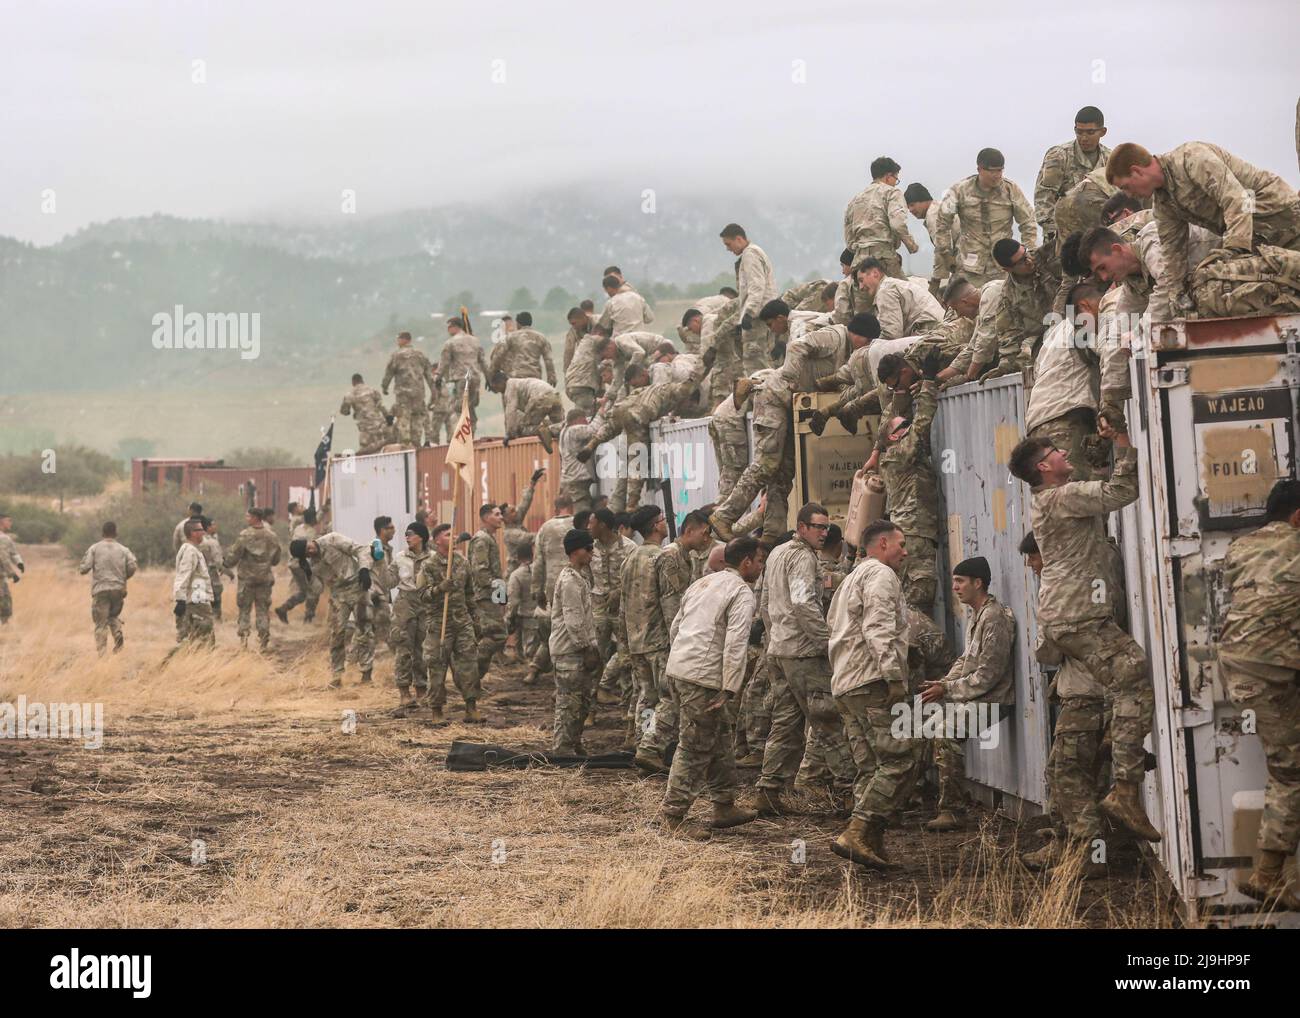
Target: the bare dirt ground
pixel 232 789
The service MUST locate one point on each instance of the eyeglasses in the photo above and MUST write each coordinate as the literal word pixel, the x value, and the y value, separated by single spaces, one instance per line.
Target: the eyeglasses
pixel 818 526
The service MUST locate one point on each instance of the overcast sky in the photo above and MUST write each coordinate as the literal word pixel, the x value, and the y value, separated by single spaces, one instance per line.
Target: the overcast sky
pixel 423 104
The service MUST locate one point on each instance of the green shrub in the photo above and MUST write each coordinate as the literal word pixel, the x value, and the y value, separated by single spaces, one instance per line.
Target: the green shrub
pixel 62 471
pixel 145 523
pixel 34 524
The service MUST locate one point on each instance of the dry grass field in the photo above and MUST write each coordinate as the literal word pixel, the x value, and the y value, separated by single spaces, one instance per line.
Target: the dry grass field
pixel 305 825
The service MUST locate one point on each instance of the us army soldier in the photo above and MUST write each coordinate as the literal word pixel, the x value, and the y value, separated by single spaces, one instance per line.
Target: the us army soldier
pixel 110 565
pixel 253 555
pixel 411 371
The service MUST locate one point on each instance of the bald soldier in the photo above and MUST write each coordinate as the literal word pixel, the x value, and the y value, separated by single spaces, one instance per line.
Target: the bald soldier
pixel 366 406
pixel 987 205
pixel 875 222
pixel 411 371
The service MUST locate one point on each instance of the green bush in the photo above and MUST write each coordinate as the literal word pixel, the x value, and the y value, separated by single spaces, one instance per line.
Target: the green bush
pixel 34 524
pixel 62 471
pixel 145 523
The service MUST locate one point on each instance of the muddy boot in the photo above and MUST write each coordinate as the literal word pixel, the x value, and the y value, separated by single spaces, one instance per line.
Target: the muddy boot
pixel 118 641
pixel 730 815
pixel 264 645
pixel 336 682
pixel 544 436
pixel 684 828
pixel 721 527
pixel 606 697
pixel 768 803
pixel 944 822
pixel 1268 883
pixel 436 715
pixel 308 619
pixel 282 614
pixel 751 759
pixel 531 678
pixel 243 642
pixel 1124 806
pixel 472 715
pixel 580 749
pixel 630 736
pixel 650 762
pixel 365 676
pixel 1043 858
pixel 855 844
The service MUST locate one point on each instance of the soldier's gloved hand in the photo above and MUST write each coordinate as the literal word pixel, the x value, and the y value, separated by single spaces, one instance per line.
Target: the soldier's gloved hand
pixel 849 420
pixel 16 577
pixel 505 443
pixel 364 577
pixel 1115 416
pixel 817 422
pixel 443 586
pixel 22 567
pixel 747 322
pixel 756 633
pixel 179 610
pixel 538 474
pixel 932 363
pixel 389 419
pixel 584 454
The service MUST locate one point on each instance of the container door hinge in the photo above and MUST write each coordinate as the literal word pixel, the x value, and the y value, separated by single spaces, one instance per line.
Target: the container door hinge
pixel 1171 376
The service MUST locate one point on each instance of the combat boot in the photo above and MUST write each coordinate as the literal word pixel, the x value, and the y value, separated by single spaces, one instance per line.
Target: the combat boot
pixel 365 676
pixel 944 822
pixel 721 527
pixel 436 715
pixel 243 642
pixel 740 392
pixel 630 736
pixel 1043 858
pixel 336 682
pixel 282 614
pixel 307 618
pixel 531 678
pixel 876 839
pixel 768 803
pixel 728 814
pixel 685 828
pixel 751 759
pixel 855 845
pixel 649 761
pixel 1268 883
pixel 472 715
pixel 1124 806
pixel 544 436
pixel 606 697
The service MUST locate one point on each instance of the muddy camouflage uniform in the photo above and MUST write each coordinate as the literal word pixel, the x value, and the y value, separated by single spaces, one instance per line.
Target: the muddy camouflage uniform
pixel 524 353
pixel 875 224
pixel 521 609
pixel 549 561
pixel 462 364
pixel 365 404
pixel 411 371
pixel 633 416
pixel 409 619
pixel 110 565
pixel 1259 655
pixel 646 630
pixel 339 568
pixel 457 650
pixel 573 649
pixel 252 556
pixel 304 589
pixel 193 586
pixel 912 497
pixel 607 571
pixel 673 574
pixel 489 589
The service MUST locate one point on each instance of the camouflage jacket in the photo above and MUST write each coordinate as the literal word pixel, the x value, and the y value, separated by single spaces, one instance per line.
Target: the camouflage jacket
pixel 408 371
pixel 755 281
pixel 1063 167
pixel 485 568
pixel 524 353
pixel 986 217
pixel 790 603
pixel 875 221
pixel 607 571
pixel 676 571
pixel 520 606
pixel 641 604
pixel 573 626
pixel 341 560
pixel 868 627
pixel 626 311
pixel 460 354
pixel 549 557
pixel 928 654
pixel 365 403
pixel 986 669
pixel 253 554
pixel 461 610
pixel 907 467
pixel 905 308
pixel 1262 573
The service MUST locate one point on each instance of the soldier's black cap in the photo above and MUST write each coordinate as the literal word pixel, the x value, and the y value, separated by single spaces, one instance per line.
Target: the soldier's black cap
pixel 419 530
pixel 577 540
pixel 976 568
pixel 298 548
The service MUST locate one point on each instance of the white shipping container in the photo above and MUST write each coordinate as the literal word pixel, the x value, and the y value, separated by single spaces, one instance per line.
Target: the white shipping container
pixel 363 487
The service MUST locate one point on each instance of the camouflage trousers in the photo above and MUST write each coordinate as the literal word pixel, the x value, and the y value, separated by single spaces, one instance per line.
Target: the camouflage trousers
pixel 704 759
pixel 371 436
pixel 756 347
pixel 217 589
pixel 492 633
pixel 412 415
pixel 634 469
pixel 7 602
pixel 661 731
pixel 580 492
pixel 1266 281
pixel 919 573
pixel 887 766
pixel 617 675
pixel 542 658
pixel 772 471
pixel 950 760
pixel 407 638
pixel 801 696
pixel 249 597
pixel 755 715
pixel 731 450
pixel 889 258
pixel 1117 661
pixel 575 696
pixel 526 638
pixel 651 685
pixel 350 617
pixel 442 422
pixel 1076 434
pixel 196 627
pixel 1273 693
pixel 456 652
pixel 813 768
pixel 303 590
pixel 379 611
pixel 105 612
pixel 539 411
pixel 1073 766
pixel 584 399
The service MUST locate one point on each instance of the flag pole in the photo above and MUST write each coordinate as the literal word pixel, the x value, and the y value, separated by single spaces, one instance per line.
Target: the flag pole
pixel 455 500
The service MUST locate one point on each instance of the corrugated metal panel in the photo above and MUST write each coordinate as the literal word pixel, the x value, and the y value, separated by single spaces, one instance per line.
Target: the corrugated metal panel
pixel 987 511
pixel 501 473
pixel 683 454
pixel 272 485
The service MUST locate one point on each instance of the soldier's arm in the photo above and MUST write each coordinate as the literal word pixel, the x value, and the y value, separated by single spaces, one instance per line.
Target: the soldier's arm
pixel 1173 235
pixel 1047 188
pixel 1096 498
pixel 1236 202
pixel 525 502
pixel 389 374
pixel 577 619
pixel 345 408
pixel 943 233
pixel 539 572
pixel 548 363
pixel 898 219
pixel 275 551
pixel 87 561
pixel 889 312
pixel 430 376
pixel 132 566
pixel 805 599
pixel 989 665
pixel 735 646
pixel 647 316
pixel 1024 213
pixel 880 631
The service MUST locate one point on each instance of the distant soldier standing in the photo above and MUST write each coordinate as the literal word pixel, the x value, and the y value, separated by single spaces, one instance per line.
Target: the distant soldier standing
pixel 647 632
pixel 411 371
pixel 366 406
pixel 524 353
pixel 253 555
pixel 548 561
pixel 521 609
pixel 305 587
pixel 344 567
pixel 456 650
pixel 1259 656
pixel 11 565
pixel 383 577
pixel 489 586
pixel 178 534
pixel 212 554
pixel 461 365
pixel 875 222
pixel 192 591
pixel 573 646
pixel 1067 164
pixel 110 565
pixel 409 617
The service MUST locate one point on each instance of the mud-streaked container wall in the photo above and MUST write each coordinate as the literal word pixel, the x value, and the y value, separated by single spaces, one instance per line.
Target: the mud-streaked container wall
pixel 987 513
pixel 500 475
pixel 683 455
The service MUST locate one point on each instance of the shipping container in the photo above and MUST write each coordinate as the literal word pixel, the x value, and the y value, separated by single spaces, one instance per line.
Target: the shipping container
pixel 364 487
pixel 500 475
pixel 275 487
pixel 166 474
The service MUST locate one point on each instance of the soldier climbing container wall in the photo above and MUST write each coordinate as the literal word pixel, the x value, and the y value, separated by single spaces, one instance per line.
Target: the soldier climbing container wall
pixel 1215 421
pixel 826 464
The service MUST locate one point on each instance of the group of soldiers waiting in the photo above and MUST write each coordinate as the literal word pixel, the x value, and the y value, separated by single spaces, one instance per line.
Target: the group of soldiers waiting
pixel 742 643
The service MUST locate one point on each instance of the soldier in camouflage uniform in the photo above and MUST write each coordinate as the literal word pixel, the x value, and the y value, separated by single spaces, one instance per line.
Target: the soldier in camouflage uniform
pixel 513 532
pixel 12 565
pixel 1259 658
pixel 1067 518
pixel 531 408
pixel 411 371
pixel 984 673
pixel 609 551
pixel 757 286
pixel 709 637
pixel 216 560
pixel 730 434
pixel 461 365
pixel 548 560
pixel 674 572
pixel 305 587
pixel 646 630
pixel 454 595
pixel 577 477
pixel 383 578
pixel 191 591
pixel 1067 164
pixel 253 555
pixel 573 646
pixel 922 205
pixel 489 587
pixel 799 669
pixel 987 205
pixel 110 565
pixel 444 412
pixel 524 353
pixel 366 405
pixel 875 222
pixel 903 307
pixel 912 494
pixel 344 567
pixel 410 618
pixel 1030 288
pixel 521 609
